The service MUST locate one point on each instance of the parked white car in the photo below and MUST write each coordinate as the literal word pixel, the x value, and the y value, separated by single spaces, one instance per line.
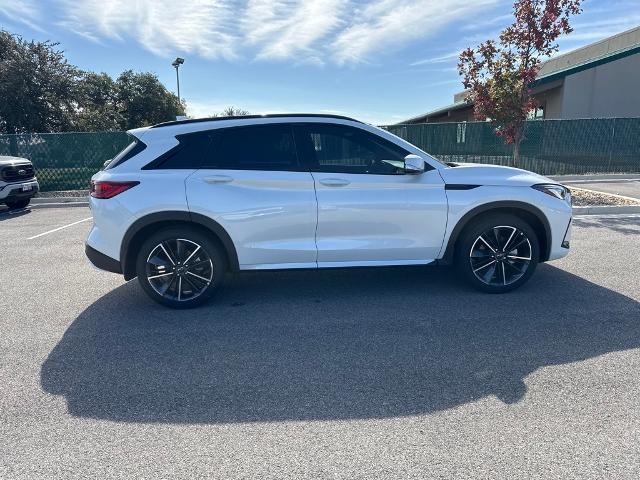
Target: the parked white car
pixel 189 200
pixel 18 182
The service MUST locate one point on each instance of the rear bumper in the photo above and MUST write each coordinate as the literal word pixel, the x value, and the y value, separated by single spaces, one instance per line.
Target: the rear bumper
pixel 102 261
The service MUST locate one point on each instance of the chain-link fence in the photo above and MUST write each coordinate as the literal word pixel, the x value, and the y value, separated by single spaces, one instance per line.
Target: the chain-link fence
pixel 64 161
pixel 551 147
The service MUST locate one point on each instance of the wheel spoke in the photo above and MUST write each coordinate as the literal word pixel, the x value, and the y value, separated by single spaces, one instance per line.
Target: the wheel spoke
pixel 160 275
pixel 515 257
pixel 513 232
pixel 487 244
pixel 485 265
pixel 198 276
pixel 179 288
pixel 192 254
pixel 164 249
pixel 504 277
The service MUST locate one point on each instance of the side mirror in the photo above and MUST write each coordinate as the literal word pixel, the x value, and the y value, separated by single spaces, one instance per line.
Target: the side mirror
pixel 413 164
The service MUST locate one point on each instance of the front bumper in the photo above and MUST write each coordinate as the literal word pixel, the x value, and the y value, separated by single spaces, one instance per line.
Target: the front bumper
pixel 102 261
pixel 14 191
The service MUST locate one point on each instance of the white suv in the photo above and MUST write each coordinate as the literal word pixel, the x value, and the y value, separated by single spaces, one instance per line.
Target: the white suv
pixel 189 200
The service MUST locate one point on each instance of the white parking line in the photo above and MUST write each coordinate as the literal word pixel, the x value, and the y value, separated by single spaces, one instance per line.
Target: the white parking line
pixel 59 228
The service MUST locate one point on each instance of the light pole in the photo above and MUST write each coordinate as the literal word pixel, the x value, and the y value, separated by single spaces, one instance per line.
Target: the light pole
pixel 176 63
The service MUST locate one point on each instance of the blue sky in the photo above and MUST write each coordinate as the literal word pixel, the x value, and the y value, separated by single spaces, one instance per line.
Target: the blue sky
pixel 379 60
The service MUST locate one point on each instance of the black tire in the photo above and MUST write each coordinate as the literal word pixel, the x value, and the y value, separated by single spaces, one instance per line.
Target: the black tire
pixel 485 262
pixel 162 256
pixel 18 204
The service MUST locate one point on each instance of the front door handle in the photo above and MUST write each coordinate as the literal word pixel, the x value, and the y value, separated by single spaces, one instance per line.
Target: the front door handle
pixel 217 179
pixel 334 182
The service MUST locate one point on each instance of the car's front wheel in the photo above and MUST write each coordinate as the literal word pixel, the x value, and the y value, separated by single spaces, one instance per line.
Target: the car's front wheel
pixel 18 204
pixel 498 253
pixel 180 268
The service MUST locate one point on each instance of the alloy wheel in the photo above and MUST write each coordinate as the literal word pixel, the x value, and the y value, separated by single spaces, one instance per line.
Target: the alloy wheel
pixel 179 269
pixel 500 256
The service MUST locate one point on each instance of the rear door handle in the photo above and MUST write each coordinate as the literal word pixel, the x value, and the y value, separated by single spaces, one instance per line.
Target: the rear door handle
pixel 217 179
pixel 334 182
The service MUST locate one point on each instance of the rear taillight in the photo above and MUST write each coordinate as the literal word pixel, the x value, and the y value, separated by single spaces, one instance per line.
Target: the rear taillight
pixel 109 189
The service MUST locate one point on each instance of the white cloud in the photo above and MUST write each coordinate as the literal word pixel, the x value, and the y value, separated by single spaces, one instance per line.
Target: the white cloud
pixel 439 59
pixel 480 24
pixel 387 24
pixel 289 28
pixel 202 27
pixel 21 11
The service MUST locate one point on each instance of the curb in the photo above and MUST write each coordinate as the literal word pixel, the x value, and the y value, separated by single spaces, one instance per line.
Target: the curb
pixel 42 200
pixel 624 197
pixel 606 210
pixel 58 204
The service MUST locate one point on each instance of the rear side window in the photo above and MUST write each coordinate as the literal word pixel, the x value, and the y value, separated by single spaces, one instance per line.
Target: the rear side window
pixel 260 147
pixel 130 151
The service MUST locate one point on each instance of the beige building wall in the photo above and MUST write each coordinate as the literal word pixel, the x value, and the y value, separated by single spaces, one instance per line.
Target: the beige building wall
pixel 608 90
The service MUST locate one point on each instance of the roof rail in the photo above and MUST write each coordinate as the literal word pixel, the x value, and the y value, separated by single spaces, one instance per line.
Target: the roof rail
pixel 244 117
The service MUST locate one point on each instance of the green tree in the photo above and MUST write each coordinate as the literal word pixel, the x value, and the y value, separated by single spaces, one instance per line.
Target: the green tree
pixel 499 76
pixel 142 100
pixel 232 112
pixel 97 103
pixel 37 86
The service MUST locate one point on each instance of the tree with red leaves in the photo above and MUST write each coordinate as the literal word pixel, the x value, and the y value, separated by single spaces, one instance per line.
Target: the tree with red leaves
pixel 499 76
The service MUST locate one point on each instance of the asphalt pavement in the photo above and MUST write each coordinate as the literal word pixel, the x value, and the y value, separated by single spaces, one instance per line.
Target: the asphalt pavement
pixel 364 373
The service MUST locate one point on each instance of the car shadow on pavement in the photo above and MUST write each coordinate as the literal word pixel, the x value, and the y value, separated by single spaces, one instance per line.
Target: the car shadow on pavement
pixel 6 213
pixel 334 344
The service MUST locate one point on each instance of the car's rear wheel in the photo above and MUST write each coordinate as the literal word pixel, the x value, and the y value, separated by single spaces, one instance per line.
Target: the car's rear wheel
pixel 498 253
pixel 17 204
pixel 180 268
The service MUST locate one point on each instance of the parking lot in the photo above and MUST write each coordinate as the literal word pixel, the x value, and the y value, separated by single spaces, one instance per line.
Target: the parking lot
pixel 366 373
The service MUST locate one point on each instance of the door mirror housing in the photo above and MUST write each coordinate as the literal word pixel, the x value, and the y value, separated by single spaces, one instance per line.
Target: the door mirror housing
pixel 414 164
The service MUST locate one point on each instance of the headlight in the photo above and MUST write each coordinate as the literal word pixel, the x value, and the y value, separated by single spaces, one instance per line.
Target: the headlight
pixel 558 191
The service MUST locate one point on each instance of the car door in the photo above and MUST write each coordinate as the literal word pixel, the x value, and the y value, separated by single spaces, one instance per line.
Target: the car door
pixel 370 212
pixel 252 184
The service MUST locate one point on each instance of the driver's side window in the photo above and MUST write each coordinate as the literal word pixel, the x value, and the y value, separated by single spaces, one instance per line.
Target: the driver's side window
pixel 344 149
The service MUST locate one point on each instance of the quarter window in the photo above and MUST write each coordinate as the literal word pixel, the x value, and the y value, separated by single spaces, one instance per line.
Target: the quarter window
pixel 192 151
